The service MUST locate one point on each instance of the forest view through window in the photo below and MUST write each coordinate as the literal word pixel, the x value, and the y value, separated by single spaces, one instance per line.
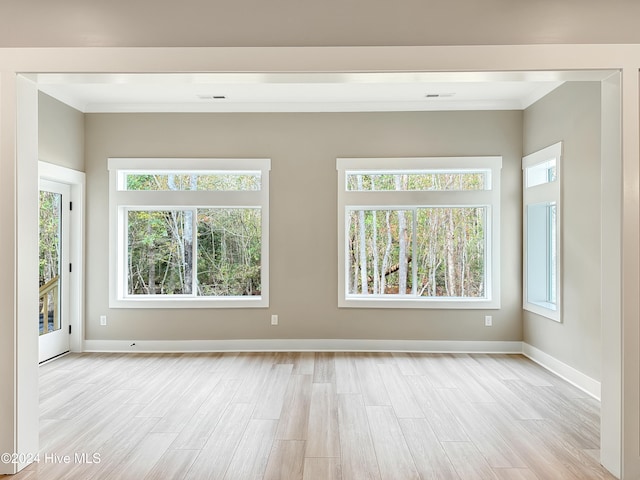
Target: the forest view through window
pixel 430 252
pixel 188 233
pixel 419 230
pixel 161 246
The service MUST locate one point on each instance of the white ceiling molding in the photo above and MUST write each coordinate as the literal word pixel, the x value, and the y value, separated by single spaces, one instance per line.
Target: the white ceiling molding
pixel 304 92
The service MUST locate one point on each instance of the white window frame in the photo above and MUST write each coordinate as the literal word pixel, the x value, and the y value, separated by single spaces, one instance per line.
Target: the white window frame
pixel 542 193
pixel 121 201
pixel 488 198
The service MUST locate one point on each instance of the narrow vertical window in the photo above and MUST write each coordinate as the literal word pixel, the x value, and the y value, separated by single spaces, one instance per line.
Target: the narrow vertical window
pixel 541 203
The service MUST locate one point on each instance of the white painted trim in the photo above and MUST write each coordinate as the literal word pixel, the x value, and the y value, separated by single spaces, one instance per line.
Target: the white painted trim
pixel 24 270
pixel 564 371
pixel 611 276
pixel 303 345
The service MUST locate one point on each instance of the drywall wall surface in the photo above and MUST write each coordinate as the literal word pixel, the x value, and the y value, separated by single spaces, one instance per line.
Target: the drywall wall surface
pixel 303 148
pixel 60 133
pixel 571 114
pixel 165 23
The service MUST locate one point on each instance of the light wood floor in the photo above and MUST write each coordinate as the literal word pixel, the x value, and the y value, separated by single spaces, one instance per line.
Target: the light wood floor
pixel 312 416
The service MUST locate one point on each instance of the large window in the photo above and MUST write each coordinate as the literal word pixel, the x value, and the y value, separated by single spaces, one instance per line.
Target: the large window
pixel 541 203
pixel 189 232
pixel 419 232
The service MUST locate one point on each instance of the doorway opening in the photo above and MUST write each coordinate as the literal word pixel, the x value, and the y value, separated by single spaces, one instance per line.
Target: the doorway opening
pixel 61 260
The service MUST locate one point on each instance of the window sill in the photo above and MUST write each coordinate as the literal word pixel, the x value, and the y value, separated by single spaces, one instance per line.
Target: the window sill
pixel 371 301
pixel 190 302
pixel 544 309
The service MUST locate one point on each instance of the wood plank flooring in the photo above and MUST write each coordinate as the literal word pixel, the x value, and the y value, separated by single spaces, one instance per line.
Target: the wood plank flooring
pixel 312 416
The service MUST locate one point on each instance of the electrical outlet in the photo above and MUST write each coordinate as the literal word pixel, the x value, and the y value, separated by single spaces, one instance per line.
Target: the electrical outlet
pixel 103 320
pixel 274 319
pixel 488 321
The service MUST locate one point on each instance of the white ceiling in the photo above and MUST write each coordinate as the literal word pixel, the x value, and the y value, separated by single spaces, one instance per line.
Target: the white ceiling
pixel 304 92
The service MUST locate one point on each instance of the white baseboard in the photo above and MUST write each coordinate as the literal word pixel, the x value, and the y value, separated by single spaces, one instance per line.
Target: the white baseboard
pixel 570 374
pixel 302 345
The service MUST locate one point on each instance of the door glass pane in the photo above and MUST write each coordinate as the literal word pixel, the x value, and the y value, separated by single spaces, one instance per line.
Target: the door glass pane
pixel 50 234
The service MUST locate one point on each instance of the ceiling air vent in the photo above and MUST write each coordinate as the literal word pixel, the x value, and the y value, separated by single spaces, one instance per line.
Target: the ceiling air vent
pixel 439 95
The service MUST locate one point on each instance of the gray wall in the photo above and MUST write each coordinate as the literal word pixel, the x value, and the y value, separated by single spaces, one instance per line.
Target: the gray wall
pixel 571 114
pixel 303 148
pixel 60 133
pixel 63 23
pixel 303 258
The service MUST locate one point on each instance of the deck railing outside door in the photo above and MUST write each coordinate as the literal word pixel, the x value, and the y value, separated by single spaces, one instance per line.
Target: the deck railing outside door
pixel 47 307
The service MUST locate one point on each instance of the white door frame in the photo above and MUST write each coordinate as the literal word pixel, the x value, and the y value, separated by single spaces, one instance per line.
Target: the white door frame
pixel 76 182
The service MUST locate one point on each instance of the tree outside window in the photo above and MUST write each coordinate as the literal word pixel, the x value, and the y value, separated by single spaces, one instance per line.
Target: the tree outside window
pixel 189 229
pixel 419 232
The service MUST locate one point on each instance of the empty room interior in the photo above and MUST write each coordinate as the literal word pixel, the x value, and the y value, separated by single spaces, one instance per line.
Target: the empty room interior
pixel 319 241
pixel 306 360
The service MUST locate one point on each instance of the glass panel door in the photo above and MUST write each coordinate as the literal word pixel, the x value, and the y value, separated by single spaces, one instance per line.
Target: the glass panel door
pixel 53 257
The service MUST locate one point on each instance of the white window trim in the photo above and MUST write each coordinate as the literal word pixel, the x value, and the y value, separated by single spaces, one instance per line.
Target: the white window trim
pixel 121 200
pixel 384 199
pixel 545 192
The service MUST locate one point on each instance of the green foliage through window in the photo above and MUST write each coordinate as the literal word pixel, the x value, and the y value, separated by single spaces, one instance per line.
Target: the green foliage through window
pixel 226 242
pixel 425 251
pixel 189 232
pixel 49 235
pixel 210 181
pixel 418 181
pixel 419 232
